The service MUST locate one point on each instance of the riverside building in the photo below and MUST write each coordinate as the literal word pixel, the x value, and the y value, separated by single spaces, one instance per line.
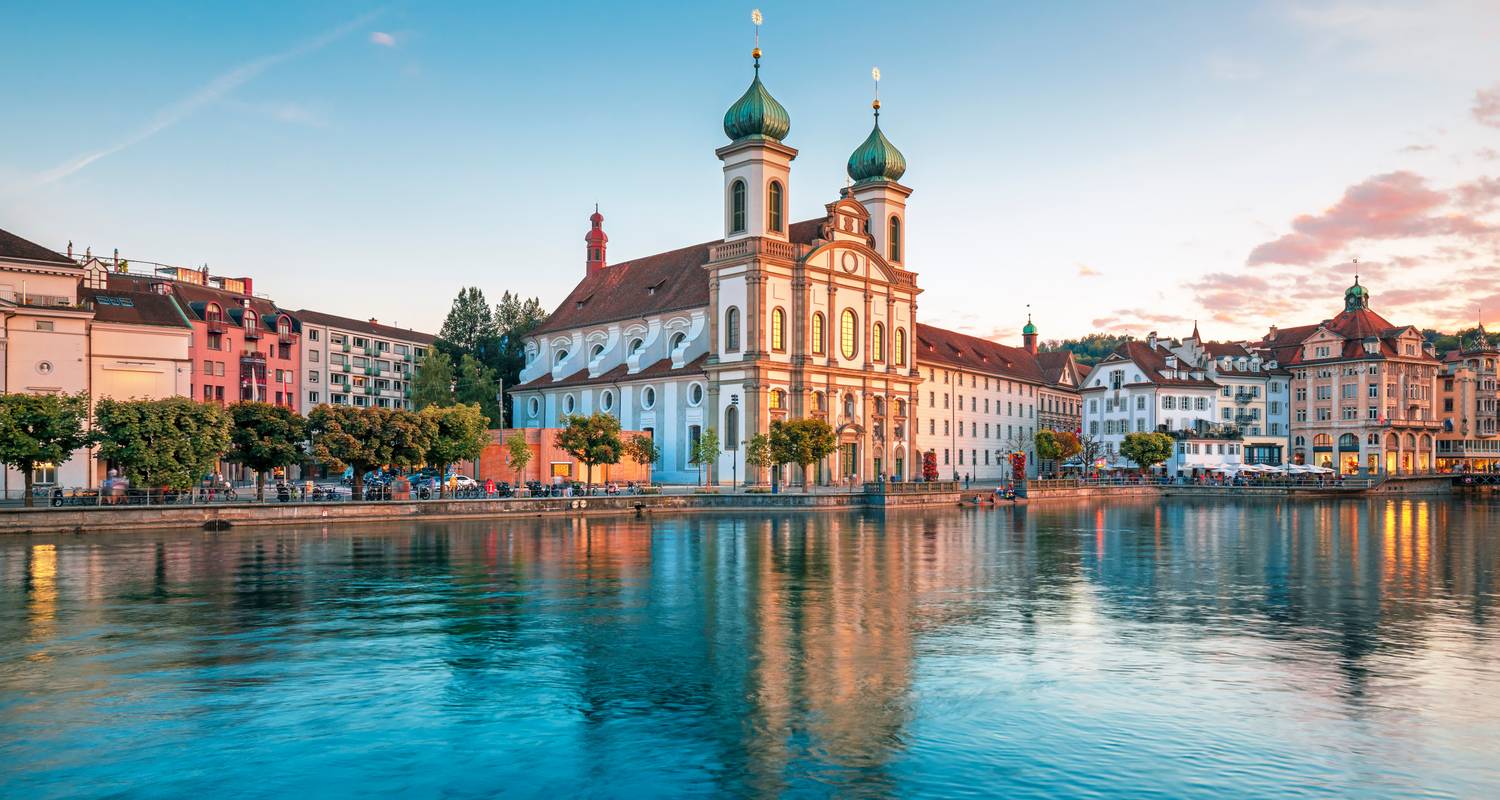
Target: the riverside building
pixel 357 362
pixel 1470 395
pixel 1253 394
pixel 1364 391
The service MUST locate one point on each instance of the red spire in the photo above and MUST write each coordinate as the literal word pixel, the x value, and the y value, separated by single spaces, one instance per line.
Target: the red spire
pixel 597 241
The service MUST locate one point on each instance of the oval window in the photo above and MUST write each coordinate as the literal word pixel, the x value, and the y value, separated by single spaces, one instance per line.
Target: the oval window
pixel 695 394
pixel 848 333
pixel 607 400
pixel 648 397
pixel 569 404
pixel 534 406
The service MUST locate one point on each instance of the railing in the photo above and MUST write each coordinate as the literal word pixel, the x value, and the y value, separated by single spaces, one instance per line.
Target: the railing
pixel 252 333
pixel 910 487
pixel 215 326
pixel 756 246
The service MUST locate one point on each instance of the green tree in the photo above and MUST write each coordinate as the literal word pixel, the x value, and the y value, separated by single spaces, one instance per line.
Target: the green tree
pixel 470 325
pixel 263 437
pixel 459 433
pixel 704 451
pixel 594 439
pixel 803 442
pixel 477 385
pixel 169 443
pixel 519 452
pixel 757 456
pixel 362 439
pixel 1147 449
pixel 1088 350
pixel 432 382
pixel 642 449
pixel 515 319
pixel 1046 445
pixel 41 429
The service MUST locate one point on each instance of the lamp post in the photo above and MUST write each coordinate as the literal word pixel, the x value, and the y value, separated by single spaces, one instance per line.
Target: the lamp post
pixel 734 452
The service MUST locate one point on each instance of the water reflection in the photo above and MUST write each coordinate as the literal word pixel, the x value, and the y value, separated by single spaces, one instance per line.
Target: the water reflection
pixel 1177 649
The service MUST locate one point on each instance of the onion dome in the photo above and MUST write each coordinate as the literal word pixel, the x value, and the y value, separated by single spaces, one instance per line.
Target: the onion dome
pixel 876 159
pixel 757 113
pixel 1030 329
pixel 1356 297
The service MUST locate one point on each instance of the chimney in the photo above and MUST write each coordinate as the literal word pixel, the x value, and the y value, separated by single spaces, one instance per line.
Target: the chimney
pixel 374 321
pixel 249 285
pixel 1272 335
pixel 597 243
pixel 1151 340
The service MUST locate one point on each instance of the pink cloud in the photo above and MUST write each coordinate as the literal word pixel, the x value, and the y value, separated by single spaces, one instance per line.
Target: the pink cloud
pixel 1487 106
pixel 1397 205
pixel 1086 271
pixel 383 39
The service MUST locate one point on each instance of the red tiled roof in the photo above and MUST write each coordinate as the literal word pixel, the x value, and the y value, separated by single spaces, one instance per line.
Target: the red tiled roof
pixel 1152 362
pixel 662 368
pixel 962 351
pixel 14 247
pixel 1054 363
pixel 363 326
pixel 654 284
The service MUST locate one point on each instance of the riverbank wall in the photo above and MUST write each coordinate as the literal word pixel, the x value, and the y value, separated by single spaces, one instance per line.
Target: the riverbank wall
pixel 121 518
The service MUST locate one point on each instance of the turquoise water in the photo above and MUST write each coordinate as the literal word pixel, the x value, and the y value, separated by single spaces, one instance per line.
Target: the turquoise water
pixel 1135 650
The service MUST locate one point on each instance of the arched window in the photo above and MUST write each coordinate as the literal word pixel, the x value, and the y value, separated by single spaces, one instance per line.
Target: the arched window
pixel 737 207
pixel 817 334
pixel 596 351
pixel 877 342
pixel 677 340
pixel 849 404
pixel 899 355
pixel 213 313
pixel 777 399
pixel 773 206
pixel 732 330
pixel 895 238
pixel 848 333
pixel 636 345
pixel 1322 440
pixel 778 330
pixel 732 428
pixel 1348 442
pixel 562 355
pixel 252 320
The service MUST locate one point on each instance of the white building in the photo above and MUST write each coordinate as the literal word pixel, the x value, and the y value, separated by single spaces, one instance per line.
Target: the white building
pixel 1254 393
pixel 1144 387
pixel 357 362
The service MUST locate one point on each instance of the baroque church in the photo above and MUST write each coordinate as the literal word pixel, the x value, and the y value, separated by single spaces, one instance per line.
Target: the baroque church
pixel 774 319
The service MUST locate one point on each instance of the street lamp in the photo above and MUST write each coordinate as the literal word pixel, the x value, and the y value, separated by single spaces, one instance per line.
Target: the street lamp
pixel 734 452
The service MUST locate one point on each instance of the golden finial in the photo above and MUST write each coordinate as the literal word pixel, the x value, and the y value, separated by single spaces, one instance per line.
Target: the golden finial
pixel 875 73
pixel 756 18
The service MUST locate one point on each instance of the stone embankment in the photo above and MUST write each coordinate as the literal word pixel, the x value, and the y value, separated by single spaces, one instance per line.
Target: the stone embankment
pixel 97 519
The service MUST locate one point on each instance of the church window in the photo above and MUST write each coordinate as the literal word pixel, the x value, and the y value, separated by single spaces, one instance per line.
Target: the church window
pixel 895 239
pixel 737 207
pixel 877 342
pixel 732 330
pixel 899 354
pixel 778 330
pixel 596 351
pixel 677 340
pixel 817 334
pixel 732 428
pixel 848 333
pixel 636 345
pixel 773 206
pixel 777 400
pixel 648 398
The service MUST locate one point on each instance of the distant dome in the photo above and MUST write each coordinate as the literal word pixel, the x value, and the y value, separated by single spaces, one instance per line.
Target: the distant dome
pixel 876 159
pixel 1356 297
pixel 1029 330
pixel 757 113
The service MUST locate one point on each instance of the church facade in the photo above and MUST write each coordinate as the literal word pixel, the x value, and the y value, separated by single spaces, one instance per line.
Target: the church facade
pixel 773 320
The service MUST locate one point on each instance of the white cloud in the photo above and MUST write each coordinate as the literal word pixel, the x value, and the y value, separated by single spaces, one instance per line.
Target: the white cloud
pixel 383 39
pixel 291 113
pixel 211 92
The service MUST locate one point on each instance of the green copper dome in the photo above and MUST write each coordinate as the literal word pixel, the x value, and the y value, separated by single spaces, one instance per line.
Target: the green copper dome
pixel 1029 330
pixel 1356 296
pixel 877 158
pixel 757 113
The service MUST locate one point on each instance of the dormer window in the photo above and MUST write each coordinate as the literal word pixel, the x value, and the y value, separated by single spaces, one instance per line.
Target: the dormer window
pixel 213 313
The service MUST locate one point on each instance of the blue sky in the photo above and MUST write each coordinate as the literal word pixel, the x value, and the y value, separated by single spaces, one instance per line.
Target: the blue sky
pixel 1120 167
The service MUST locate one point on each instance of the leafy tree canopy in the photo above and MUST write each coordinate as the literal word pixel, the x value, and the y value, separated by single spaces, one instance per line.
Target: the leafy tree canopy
pixel 41 429
pixel 1089 349
pixel 265 436
pixel 458 433
pixel 169 443
pixel 1147 449
pixel 432 382
pixel 477 386
pixel 594 439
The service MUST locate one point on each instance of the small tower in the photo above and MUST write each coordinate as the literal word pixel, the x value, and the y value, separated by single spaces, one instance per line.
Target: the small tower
pixel 1356 297
pixel 876 166
pixel 1028 334
pixel 757 164
pixel 597 241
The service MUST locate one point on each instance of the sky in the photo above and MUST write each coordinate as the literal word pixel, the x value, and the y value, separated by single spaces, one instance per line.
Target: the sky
pixel 1119 167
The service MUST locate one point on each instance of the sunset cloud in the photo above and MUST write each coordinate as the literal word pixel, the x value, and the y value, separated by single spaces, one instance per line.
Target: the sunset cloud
pixel 1396 205
pixel 1487 106
pixel 383 39
pixel 1086 271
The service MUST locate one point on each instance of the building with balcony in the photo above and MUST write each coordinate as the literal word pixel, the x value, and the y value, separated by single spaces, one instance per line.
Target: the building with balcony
pixel 1253 393
pixel 1364 391
pixel 348 361
pixel 1469 392
pixel 1059 406
pixel 1143 387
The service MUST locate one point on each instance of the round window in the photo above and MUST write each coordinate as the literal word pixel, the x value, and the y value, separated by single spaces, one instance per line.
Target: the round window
pixel 569 404
pixel 695 394
pixel 648 397
pixel 607 400
pixel 534 406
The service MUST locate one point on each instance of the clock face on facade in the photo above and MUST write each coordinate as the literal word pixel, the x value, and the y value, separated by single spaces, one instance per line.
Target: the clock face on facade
pixel 850 261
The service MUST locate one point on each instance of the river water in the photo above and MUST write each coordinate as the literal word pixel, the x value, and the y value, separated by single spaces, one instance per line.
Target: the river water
pixel 1174 649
